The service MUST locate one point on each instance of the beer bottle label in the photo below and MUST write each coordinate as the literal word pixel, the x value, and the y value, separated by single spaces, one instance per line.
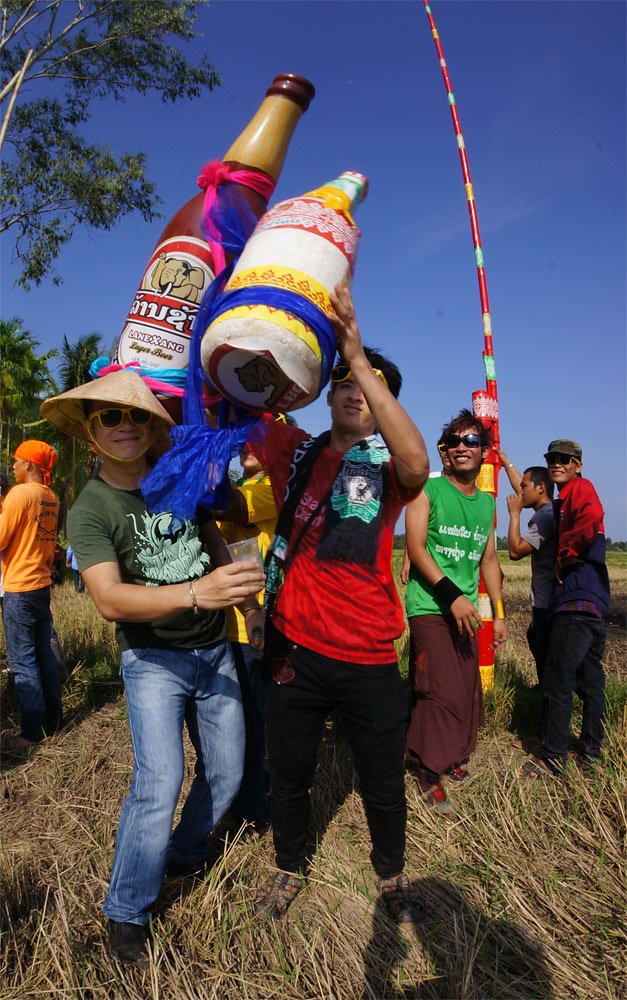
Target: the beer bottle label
pixel 159 324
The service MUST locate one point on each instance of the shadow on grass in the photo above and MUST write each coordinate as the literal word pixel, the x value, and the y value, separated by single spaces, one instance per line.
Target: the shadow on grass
pixel 514 705
pixel 334 780
pixel 23 894
pixel 469 954
pixel 88 688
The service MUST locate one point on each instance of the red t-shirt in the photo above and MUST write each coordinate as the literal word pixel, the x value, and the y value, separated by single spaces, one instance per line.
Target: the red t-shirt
pixel 346 611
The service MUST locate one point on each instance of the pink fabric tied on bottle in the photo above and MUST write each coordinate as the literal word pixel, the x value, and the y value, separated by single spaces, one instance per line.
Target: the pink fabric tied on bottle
pixel 98 370
pixel 214 174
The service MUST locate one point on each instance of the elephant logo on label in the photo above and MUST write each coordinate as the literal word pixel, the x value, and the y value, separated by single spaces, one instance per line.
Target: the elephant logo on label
pixel 177 277
pixel 260 373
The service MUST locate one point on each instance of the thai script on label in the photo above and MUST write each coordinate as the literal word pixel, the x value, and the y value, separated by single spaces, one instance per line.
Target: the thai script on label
pixel 159 323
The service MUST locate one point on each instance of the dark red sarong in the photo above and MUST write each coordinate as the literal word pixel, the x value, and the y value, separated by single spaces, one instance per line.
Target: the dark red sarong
pixel 447 708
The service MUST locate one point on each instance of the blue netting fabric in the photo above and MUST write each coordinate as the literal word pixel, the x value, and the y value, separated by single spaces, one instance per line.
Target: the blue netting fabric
pixel 193 401
pixel 290 302
pixel 195 470
pixel 231 220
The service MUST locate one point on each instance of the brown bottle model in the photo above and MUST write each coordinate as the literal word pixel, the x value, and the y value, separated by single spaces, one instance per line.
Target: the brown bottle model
pixel 158 327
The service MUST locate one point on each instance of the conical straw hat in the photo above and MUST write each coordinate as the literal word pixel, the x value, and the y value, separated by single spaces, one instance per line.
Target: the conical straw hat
pixel 123 388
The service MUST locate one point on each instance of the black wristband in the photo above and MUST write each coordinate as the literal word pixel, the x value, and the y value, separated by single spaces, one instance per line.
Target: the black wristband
pixel 447 591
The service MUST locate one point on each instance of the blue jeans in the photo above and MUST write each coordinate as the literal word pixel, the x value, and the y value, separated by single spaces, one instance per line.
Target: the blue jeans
pixel 252 802
pixel 28 629
pixel 573 664
pixel 164 688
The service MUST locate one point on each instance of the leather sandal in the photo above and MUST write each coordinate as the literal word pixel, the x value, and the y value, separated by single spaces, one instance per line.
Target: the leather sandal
pixel 279 895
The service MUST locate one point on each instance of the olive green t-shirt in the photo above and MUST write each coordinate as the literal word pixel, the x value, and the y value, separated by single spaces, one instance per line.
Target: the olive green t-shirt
pixel 458 532
pixel 107 524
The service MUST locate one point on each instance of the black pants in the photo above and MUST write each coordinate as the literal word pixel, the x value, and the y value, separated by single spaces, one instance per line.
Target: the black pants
pixel 370 699
pixel 574 666
pixel 539 638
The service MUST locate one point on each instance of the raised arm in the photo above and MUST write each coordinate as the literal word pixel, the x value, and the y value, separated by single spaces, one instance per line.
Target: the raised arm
pixel 404 440
pixel 511 471
pixel 518 547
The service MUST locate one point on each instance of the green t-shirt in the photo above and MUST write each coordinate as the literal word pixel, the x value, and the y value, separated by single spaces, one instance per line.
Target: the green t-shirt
pixel 112 525
pixel 458 532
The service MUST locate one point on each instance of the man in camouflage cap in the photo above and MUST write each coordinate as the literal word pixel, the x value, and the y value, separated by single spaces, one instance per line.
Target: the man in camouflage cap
pixel 580 601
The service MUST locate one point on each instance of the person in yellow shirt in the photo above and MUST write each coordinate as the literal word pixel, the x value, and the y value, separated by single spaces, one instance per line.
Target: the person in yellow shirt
pixel 251 514
pixel 28 534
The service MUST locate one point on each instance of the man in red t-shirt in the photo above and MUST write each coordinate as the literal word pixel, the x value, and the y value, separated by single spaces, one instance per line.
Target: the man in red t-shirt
pixel 335 612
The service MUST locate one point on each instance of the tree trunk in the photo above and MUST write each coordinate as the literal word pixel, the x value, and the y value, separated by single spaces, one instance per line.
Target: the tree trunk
pixel 16 86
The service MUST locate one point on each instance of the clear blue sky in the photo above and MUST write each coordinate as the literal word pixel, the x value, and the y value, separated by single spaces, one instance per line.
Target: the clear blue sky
pixel 540 89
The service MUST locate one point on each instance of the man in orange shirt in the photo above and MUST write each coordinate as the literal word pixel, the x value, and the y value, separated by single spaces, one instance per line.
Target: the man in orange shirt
pixel 28 533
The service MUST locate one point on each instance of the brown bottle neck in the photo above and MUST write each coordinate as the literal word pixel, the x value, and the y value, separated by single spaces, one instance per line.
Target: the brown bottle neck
pixel 188 220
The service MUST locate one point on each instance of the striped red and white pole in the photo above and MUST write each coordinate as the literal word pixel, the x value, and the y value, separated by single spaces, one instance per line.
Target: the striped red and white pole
pixel 485 402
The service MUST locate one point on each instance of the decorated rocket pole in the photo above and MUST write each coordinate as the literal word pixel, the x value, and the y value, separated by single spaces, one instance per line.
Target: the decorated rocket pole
pixel 485 402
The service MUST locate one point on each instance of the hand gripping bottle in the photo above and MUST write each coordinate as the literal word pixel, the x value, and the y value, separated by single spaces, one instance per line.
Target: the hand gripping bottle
pixel 269 344
pixel 157 330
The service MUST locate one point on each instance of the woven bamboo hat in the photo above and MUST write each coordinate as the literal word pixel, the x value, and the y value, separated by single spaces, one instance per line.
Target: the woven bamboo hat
pixel 122 388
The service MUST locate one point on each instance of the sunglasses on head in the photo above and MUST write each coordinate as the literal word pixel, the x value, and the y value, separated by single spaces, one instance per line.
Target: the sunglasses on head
pixel 113 416
pixel 470 440
pixel 343 372
pixel 556 458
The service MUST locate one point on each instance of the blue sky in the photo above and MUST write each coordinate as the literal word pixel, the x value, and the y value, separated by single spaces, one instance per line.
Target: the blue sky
pixel 540 88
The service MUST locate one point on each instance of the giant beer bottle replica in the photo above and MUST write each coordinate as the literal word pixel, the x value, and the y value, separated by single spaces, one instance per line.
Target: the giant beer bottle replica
pixel 262 351
pixel 158 327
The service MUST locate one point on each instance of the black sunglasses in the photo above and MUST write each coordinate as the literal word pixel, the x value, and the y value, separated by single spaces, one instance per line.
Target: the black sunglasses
pixel 470 440
pixel 556 458
pixel 341 373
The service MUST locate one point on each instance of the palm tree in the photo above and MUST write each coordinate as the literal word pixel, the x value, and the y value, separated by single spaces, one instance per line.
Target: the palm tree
pixel 73 371
pixel 76 359
pixel 24 377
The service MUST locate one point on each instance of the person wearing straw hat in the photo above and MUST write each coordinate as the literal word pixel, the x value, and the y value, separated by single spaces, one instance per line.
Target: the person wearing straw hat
pixel 28 535
pixel 153 577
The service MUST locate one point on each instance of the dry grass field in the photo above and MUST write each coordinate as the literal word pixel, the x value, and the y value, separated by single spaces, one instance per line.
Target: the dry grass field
pixel 524 893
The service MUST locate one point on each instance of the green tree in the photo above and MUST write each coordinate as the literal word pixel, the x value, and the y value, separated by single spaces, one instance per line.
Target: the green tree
pixel 52 179
pixel 75 458
pixel 75 360
pixel 25 379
